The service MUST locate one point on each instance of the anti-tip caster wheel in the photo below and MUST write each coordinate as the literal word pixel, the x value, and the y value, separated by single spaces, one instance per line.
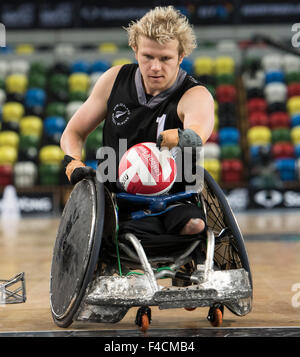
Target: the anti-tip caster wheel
pixel 215 315
pixel 143 318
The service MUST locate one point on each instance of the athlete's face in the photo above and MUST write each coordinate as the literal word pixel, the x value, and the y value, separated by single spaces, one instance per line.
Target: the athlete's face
pixel 159 64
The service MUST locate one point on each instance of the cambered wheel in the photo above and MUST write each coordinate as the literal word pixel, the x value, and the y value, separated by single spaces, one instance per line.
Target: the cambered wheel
pixel 76 250
pixel 230 250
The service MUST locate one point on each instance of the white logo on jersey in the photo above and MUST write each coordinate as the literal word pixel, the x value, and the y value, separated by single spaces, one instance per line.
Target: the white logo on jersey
pixel 120 114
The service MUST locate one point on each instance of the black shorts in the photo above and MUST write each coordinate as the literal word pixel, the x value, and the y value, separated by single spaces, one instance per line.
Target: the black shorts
pixel 163 230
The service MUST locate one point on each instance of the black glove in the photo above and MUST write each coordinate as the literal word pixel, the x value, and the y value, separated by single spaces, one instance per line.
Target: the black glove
pixel 80 173
pixel 76 170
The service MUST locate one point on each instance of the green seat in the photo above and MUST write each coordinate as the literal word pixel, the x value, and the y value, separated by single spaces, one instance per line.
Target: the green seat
pixel 93 142
pixel 29 147
pixel 49 174
pixel 281 134
pixel 37 80
pixel 58 82
pixel 56 109
pixel 28 141
pixel 225 78
pixel 292 77
pixel 230 152
pixel 38 68
pixel 78 95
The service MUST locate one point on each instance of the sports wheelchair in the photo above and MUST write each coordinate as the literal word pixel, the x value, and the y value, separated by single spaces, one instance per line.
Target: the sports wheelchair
pixel 97 277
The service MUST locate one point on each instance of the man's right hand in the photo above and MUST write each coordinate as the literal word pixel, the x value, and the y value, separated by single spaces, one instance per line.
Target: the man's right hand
pixel 76 170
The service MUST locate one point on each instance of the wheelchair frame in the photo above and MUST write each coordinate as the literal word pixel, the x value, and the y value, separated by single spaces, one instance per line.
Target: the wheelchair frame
pixel 104 294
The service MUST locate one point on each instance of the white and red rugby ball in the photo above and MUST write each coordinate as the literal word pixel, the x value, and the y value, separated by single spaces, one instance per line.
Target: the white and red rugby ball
pixel 145 170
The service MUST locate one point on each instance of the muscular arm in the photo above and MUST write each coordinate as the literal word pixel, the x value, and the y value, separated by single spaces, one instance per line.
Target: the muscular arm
pixel 196 110
pixel 89 115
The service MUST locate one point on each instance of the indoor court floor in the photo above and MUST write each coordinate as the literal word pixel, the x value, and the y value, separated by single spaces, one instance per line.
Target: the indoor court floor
pixel 272 239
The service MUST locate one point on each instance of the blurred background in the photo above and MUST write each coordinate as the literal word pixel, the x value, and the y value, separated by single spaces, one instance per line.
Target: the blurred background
pixel 52 53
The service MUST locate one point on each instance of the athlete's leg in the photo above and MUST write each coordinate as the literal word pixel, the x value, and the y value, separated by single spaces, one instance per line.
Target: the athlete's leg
pixel 193 226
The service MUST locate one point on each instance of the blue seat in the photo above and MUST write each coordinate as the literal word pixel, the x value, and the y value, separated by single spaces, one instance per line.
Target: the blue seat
pixel 229 135
pixel 274 76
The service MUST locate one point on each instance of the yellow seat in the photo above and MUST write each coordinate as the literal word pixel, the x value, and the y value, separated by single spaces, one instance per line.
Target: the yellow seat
pixel 203 66
pixel 16 83
pixel 108 47
pixel 259 135
pixel 224 65
pixel 293 105
pixel 79 82
pixel 12 111
pixel 213 166
pixel 24 49
pixel 121 61
pixel 295 135
pixel 8 155
pixel 31 125
pixel 9 138
pixel 51 154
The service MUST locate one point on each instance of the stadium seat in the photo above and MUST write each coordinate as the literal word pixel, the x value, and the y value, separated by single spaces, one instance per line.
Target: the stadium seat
pixel 8 155
pixel 9 138
pixel 203 66
pixel 16 83
pixel 224 65
pixel 79 82
pixel 259 135
pixel 279 120
pixel 229 135
pixel 286 169
pixel 272 62
pixel 6 174
pixel 232 170
pixel 80 66
pixel 211 151
pixel 293 105
pixel 213 166
pixel 25 174
pixel 282 150
pixel 281 134
pixel 51 154
pixel 31 125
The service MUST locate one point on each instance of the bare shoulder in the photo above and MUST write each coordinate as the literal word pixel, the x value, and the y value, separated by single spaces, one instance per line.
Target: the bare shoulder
pixel 195 98
pixel 197 93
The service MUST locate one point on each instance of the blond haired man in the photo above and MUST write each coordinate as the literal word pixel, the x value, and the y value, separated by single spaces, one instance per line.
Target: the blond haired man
pixel 153 100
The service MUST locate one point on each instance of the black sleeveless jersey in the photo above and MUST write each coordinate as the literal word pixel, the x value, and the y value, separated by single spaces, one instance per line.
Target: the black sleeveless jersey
pixel 130 116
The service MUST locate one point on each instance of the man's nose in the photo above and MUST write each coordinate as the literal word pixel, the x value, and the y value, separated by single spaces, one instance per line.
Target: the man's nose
pixel 155 65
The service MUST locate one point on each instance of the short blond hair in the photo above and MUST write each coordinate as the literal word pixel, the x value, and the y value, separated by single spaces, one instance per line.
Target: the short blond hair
pixel 163 24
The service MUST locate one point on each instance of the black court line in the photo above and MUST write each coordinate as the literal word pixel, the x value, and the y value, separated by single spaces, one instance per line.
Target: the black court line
pixel 165 333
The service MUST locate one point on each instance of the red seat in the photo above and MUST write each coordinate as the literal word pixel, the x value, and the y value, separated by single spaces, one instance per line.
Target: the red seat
pixel 232 170
pixel 6 175
pixel 226 93
pixel 258 118
pixel 293 89
pixel 283 150
pixel 256 104
pixel 279 120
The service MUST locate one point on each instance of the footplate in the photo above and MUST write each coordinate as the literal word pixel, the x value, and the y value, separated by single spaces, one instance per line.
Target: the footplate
pixel 229 287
